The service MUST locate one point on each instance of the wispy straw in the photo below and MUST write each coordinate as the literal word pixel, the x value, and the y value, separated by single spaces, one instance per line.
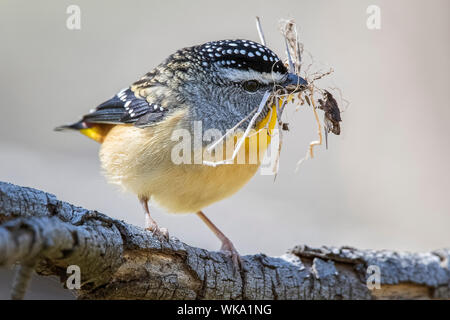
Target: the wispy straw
pixel 291 64
pixel 245 135
pixel 260 31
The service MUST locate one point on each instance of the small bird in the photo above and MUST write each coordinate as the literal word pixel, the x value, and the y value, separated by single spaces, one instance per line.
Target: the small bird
pixel 218 84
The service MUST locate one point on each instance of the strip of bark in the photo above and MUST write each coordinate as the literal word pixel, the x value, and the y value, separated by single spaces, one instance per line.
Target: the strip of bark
pixel 121 261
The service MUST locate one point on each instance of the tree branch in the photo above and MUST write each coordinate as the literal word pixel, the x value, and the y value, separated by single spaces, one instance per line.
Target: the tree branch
pixel 121 261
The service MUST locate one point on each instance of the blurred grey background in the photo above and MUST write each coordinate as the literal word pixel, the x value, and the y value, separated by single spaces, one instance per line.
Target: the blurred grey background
pixel 384 183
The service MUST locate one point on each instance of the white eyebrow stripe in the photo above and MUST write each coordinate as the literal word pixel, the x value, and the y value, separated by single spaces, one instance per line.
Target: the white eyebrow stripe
pixel 236 75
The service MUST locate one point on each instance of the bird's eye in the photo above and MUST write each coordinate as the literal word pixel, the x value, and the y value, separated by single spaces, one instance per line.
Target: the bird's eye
pixel 251 85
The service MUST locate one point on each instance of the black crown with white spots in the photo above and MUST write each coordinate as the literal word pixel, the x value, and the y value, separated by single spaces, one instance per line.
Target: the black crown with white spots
pixel 240 54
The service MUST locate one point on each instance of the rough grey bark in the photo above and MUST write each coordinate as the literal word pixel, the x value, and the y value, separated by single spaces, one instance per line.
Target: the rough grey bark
pixel 121 261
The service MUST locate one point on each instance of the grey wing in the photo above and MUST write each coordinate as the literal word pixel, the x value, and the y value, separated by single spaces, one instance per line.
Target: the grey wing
pixel 125 107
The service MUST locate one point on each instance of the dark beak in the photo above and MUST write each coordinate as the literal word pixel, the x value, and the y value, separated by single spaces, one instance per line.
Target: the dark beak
pixel 296 81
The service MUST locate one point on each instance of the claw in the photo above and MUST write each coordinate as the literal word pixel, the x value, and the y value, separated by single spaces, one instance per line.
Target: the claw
pixel 151 224
pixel 161 233
pixel 229 249
pixel 227 246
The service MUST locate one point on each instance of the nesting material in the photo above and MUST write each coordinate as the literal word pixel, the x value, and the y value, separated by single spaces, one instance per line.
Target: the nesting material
pixel 327 103
pixel 278 98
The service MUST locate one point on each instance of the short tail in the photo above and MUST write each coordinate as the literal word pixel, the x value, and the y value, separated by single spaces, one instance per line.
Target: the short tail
pixel 75 126
pixel 95 131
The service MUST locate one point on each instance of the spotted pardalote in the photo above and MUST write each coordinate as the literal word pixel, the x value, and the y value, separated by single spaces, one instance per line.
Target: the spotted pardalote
pixel 219 84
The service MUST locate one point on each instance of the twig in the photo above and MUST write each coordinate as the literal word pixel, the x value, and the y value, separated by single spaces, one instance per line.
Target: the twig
pixel 121 261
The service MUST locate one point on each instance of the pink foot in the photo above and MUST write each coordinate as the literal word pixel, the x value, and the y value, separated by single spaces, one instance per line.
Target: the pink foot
pixel 161 233
pixel 229 249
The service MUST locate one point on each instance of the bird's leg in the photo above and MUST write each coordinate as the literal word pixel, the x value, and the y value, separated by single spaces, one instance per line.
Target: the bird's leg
pixel 150 223
pixel 227 245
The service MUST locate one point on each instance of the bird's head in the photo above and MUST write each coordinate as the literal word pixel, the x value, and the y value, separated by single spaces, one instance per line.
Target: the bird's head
pixel 224 81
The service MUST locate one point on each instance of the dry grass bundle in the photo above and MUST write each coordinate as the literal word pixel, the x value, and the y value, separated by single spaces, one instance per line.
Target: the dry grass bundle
pixel 279 97
pixel 327 103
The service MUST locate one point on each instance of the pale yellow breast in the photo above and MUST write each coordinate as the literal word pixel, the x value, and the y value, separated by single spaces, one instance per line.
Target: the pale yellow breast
pixel 139 160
